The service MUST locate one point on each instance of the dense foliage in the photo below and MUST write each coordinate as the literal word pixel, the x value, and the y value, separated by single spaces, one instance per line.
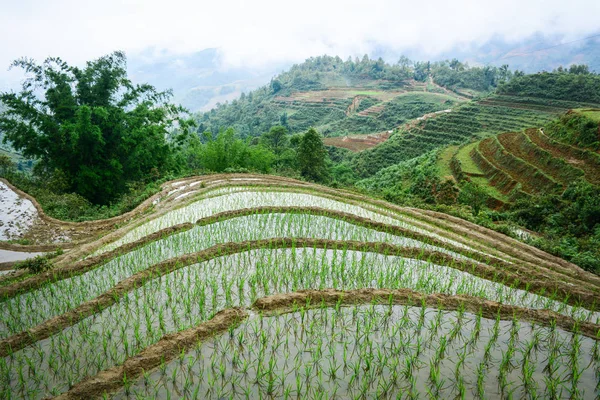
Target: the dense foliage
pixel 454 74
pixel 322 72
pixel 225 152
pixel 576 129
pixel 311 156
pixel 575 84
pixel 569 223
pixel 415 181
pixel 90 127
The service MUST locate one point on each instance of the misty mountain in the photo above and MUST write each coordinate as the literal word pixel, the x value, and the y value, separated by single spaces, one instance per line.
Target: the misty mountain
pixel 199 80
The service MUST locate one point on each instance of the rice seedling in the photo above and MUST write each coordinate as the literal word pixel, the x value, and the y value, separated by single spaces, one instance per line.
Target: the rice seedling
pixel 319 350
pixel 372 367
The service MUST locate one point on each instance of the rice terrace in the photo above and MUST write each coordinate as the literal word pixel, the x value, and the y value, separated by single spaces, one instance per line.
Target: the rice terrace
pixel 266 200
pixel 256 286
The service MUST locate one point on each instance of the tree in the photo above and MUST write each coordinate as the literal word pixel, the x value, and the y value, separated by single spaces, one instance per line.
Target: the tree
pixel 92 124
pixel 228 152
pixel 472 195
pixel 276 140
pixel 276 86
pixel 579 69
pixel 311 156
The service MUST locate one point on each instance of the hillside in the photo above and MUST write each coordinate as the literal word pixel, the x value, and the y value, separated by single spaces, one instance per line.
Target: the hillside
pixel 542 179
pixel 530 162
pixel 469 121
pixel 227 278
pixel 341 98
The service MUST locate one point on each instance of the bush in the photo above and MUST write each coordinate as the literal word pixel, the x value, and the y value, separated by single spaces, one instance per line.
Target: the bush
pixel 36 265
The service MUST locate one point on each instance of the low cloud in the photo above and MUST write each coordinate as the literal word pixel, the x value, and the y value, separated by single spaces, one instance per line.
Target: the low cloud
pixel 257 33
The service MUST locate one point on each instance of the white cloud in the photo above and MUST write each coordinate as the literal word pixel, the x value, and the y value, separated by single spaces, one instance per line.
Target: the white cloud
pixel 259 32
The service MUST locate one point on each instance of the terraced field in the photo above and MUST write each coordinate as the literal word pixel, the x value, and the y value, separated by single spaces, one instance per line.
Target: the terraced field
pixel 466 122
pixel 359 110
pixel 249 286
pixel 516 164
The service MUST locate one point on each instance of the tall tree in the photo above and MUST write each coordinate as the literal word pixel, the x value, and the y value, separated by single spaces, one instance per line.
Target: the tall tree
pixel 276 139
pixel 92 124
pixel 311 156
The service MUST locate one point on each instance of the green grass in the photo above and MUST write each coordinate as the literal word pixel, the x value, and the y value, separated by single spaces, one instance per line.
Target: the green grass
pixel 467 163
pixel 469 167
pixel 488 188
pixel 443 161
pixel 366 92
pixel 591 113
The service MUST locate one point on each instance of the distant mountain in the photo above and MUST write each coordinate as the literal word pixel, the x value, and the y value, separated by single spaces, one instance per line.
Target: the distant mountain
pixel 537 53
pixel 198 80
pixel 532 54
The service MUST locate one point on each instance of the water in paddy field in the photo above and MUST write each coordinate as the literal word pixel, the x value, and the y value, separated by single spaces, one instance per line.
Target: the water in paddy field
pixel 379 352
pixel 16 213
pixel 9 255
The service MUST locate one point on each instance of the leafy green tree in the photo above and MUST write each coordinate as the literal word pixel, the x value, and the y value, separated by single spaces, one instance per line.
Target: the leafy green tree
pixel 91 124
pixel 473 195
pixel 422 70
pixel 276 139
pixel 276 86
pixel 228 152
pixel 311 156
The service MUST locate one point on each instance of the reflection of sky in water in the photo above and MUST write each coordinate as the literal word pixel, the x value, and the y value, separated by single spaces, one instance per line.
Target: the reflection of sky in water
pixel 16 214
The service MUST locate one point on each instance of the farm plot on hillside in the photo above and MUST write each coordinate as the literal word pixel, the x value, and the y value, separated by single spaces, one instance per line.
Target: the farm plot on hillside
pixel 227 291
pixel 375 351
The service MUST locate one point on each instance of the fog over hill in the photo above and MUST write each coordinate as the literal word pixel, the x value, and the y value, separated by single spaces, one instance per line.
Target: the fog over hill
pixel 201 79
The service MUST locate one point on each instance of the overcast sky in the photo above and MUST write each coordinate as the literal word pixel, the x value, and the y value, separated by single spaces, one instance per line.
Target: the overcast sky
pixel 257 32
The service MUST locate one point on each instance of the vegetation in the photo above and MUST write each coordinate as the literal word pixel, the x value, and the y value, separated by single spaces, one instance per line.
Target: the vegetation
pixel 578 129
pixel 92 130
pixel 311 156
pixel 430 280
pixel 456 75
pixel 319 93
pixel 514 180
pixel 226 152
pixel 462 124
pixel 574 84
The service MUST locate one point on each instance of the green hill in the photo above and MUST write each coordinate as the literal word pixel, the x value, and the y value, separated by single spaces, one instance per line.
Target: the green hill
pixel 349 97
pixel 545 180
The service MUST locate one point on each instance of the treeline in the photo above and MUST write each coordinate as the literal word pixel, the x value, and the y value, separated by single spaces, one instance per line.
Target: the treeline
pixel 574 84
pixel 317 73
pixel 455 75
